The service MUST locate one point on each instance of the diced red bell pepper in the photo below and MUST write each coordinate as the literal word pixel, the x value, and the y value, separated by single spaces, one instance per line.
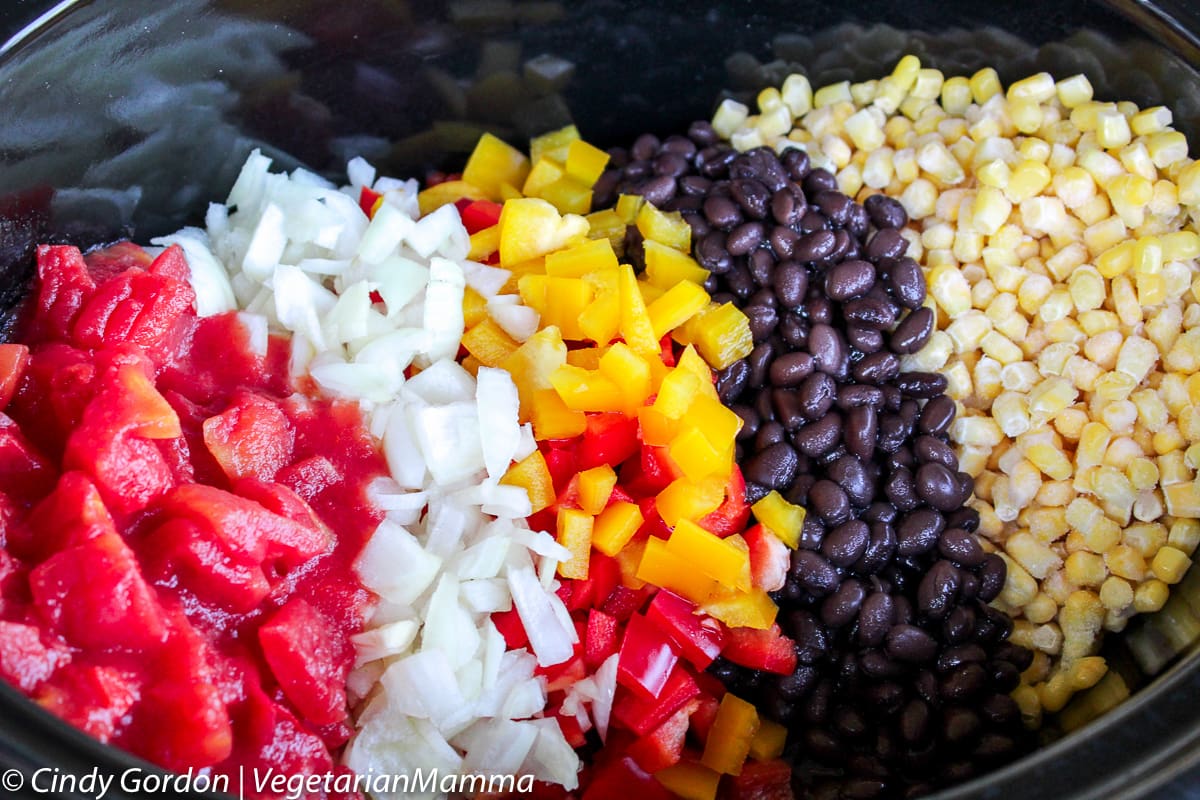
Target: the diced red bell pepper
pixel 604 573
pixel 704 716
pixel 667 347
pixel 652 522
pixel 479 214
pixel 698 637
pixel 762 780
pixel 571 730
pixel 611 438
pixel 650 473
pixel 769 559
pixel 622 777
pixel 623 602
pixel 620 495
pixel 510 627
pixel 767 650
pixel 366 200
pixel 647 658
pixel 733 513
pixel 663 746
pixel 560 461
pixel 600 642
pixel 565 675
pixel 641 715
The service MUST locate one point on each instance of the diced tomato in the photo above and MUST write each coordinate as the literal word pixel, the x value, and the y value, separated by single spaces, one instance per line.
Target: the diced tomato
pixel 698 637
pixel 611 438
pixel 299 648
pixel 666 347
pixel 762 780
pixel 733 513
pixel 192 555
pixel 14 358
pixel 251 438
pixel 70 515
pixel 65 285
pixel 27 658
pixel 663 746
pixel 136 307
pixel 171 263
pixel 767 650
pixel 480 214
pixel 25 474
pixel 107 262
pixel 769 559
pixel 601 639
pixel 647 658
pixel 642 715
pixel 291 545
pixel 92 697
pixel 509 624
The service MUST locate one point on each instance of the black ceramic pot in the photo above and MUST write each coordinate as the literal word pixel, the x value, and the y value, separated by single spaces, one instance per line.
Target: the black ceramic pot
pixel 124 117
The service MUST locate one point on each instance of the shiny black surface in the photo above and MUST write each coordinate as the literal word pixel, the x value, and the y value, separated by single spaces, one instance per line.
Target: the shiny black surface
pixel 128 116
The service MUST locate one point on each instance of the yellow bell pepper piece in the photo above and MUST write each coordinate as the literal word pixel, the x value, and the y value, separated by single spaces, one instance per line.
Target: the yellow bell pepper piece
pixel 534 362
pixel 532 475
pixel 587 390
pixel 568 195
pixel 635 322
pixel 474 308
pixel 532 288
pixel 689 781
pixel 585 162
pixel 615 526
pixel 676 306
pixel 552 419
pixel 768 741
pixel 629 371
pixel 493 163
pixel 666 266
pixel 729 739
pixel 649 292
pixel 605 224
pixel 682 499
pixel 741 609
pixel 595 487
pixel 780 517
pixel 718 558
pixel 601 321
pixel 471 364
pixel 657 428
pixel 665 227
pixel 693 362
pixel 694 454
pixel 629 561
pixel 719 425
pixel 676 393
pixel 577 261
pixel 628 206
pixel 575 534
pixel 544 173
pixel 553 145
pixel 565 300
pixel 484 243
pixel 440 194
pixel 721 333
pixel 489 343
pixel 585 357
pixel 530 227
pixel 668 570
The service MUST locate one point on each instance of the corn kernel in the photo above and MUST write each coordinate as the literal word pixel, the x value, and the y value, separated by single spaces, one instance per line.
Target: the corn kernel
pixel 1085 569
pixel 1170 565
pixel 1116 594
pixel 729 116
pixel 1126 562
pixel 1150 596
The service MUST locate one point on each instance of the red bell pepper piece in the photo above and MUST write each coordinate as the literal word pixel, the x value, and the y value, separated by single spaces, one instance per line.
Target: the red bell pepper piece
pixel 652 521
pixel 704 716
pixel 600 641
pixel 767 650
pixel 611 438
pixel 769 559
pixel 366 200
pixel 619 494
pixel 647 658
pixel 622 777
pixel 732 515
pixel 699 638
pixel 663 746
pixel 510 627
pixel 667 347
pixel 571 730
pixel 604 573
pixel 642 716
pixel 623 602
pixel 762 780
pixel 650 473
pixel 560 461
pixel 479 214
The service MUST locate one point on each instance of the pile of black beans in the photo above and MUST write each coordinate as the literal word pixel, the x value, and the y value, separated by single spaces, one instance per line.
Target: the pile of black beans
pixel 904 669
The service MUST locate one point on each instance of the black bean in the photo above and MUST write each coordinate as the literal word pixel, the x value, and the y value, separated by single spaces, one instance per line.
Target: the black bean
pixel 885 212
pixel 938 590
pixel 961 547
pixel 786 208
pixel 796 685
pixel 886 243
pixel 937 415
pixel 928 449
pixel 862 429
pixel 846 543
pixel 994 746
pixel 960 725
pixel 796 162
pixel 783 241
pixel 819 309
pixel 875 618
pixel 850 473
pixel 913 332
pixel 763 320
pixel 671 165
pixel 791 369
pixel 817 393
pixel 814 246
pixel 659 190
pixel 823 745
pixel 918 532
pixel 926 686
pixel 843 246
pixel 819 180
pixel 827 348
pixel 744 238
pixel 637 171
pixel 750 420
pixel 1004 676
pixel 752 196
pixel 815 574
pixel 992 574
pixel 879 550
pixel 812 532
pixel 901 490
pixel 645 146
pixel 794 331
pixel 829 502
pixel 813 221
pixel 759 361
pixel 762 269
pixel 1000 710
pixel 910 643
pixel 755 492
pixel 739 281
pixel 964 683
pixel 877 368
pixel 849 279
pixel 694 185
pixel 715 163
pixel 1020 657
pixel 958 625
pixel 840 608
pixel 722 212
pixel 857 394
pixel 791 283
pixel 865 340
pixel 774 467
pixel 701 132
pixel 711 253
pixel 869 312
pixel 732 380
pixel 938 486
pixel 787 408
pixel 914 721
pixel 907 282
pixel 970 586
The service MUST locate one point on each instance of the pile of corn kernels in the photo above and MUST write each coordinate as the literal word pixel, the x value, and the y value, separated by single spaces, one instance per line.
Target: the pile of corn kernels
pixel 1058 236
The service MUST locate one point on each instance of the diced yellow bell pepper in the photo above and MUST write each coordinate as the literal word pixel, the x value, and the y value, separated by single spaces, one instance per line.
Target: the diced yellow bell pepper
pixel 568 195
pixel 649 292
pixel 769 740
pixel 694 454
pixel 605 224
pixel 534 266
pixel 780 517
pixel 471 364
pixel 575 534
pixel 585 162
pixel 666 266
pixel 553 145
pixel 484 243
pixel 689 781
pixel 719 425
pixel 530 227
pixel 628 206
pixel 544 173
pixel 729 738
pixel 668 570
pixel 676 392
pixel 489 343
pixel 694 363
pixel 575 262
pixel 629 561
pixel 601 321
pixel 440 194
pixel 587 390
pixel 629 371
pixel 721 333
pixel 566 299
pixel 682 499
pixel 532 475
pixel 552 419
pixel 615 526
pixel 474 308
pixel 657 428
pixel 532 288
pixel 676 306
pixel 585 357
pixel 635 322
pixel 493 163
pixel 510 191
pixel 736 540
pixel 595 487
pixel 534 362
pixel 739 609
pixel 719 559
pixel 665 227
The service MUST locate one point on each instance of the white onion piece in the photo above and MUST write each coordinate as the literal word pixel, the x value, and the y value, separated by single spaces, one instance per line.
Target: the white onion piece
pixel 606 689
pixel 443 316
pixel 387 640
pixel 449 440
pixel 360 173
pixel 394 564
pixel 551 643
pixel 499 425
pixel 214 293
pixel 442 383
pixel 484 278
pixel 386 230
pixel 266 244
pixel 519 322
